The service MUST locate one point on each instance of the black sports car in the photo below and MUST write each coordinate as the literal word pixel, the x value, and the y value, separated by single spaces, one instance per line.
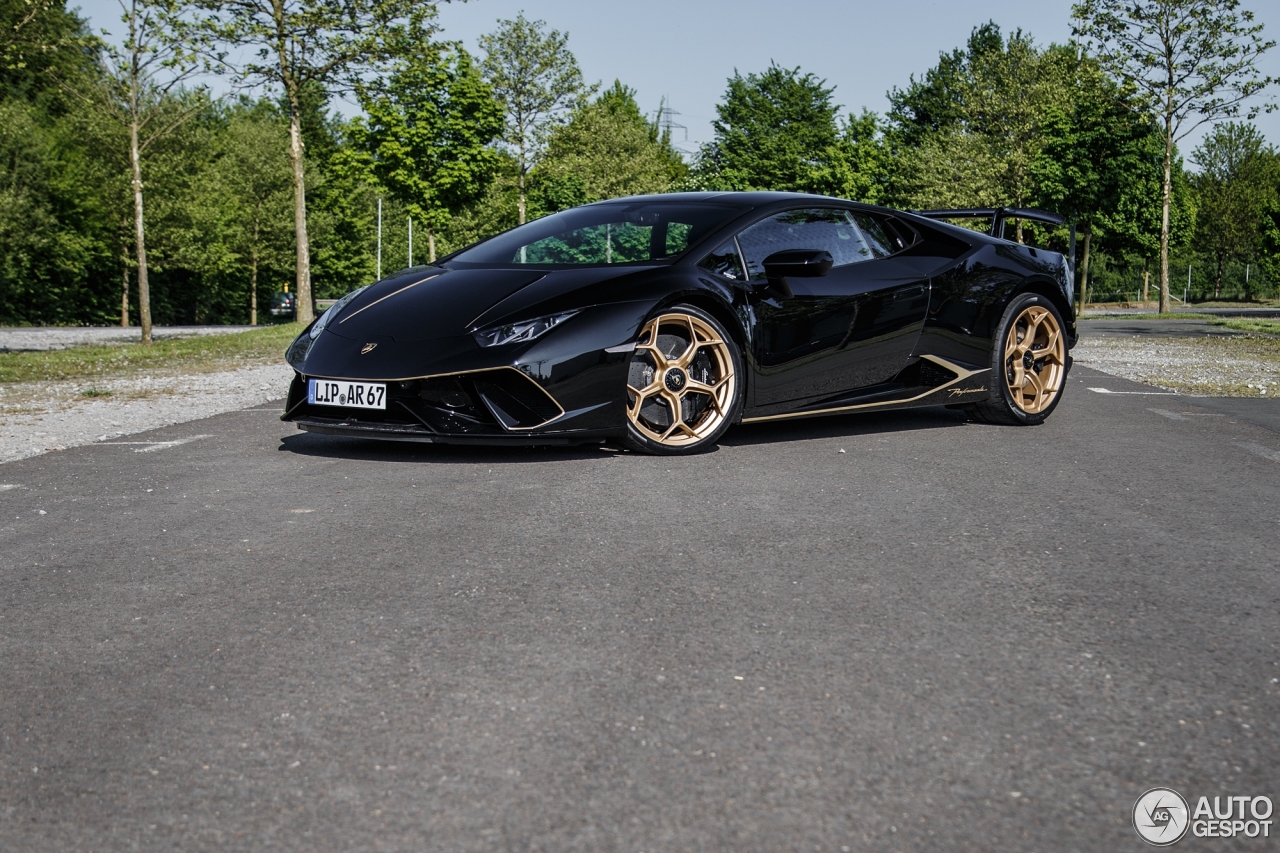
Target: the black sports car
pixel 663 320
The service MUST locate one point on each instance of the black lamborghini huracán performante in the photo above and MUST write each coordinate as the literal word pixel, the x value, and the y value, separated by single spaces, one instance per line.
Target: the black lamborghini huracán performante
pixel 661 321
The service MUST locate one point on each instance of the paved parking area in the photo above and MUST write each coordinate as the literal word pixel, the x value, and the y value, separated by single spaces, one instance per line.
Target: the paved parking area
pixel 879 632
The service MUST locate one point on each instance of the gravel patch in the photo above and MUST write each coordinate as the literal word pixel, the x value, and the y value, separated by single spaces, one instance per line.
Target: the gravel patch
pixel 1239 366
pixel 36 417
pixel 16 338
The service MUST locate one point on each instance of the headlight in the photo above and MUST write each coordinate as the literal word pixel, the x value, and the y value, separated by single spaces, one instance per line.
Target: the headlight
pixel 333 311
pixel 513 333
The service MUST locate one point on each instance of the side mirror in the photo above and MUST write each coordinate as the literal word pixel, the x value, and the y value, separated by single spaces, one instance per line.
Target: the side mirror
pixel 801 263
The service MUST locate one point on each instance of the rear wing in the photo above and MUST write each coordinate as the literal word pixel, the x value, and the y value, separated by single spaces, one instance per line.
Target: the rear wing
pixel 998 215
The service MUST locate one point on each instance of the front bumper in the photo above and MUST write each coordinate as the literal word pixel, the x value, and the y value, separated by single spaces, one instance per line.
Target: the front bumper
pixel 492 406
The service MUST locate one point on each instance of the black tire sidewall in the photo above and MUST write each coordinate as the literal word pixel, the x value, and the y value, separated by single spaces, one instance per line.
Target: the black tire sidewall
pixel 1000 394
pixel 636 441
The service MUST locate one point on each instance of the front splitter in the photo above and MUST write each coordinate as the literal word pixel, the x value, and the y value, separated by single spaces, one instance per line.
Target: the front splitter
pixel 383 433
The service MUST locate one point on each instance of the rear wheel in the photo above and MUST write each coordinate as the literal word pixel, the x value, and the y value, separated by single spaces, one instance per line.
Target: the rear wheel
pixel 1028 364
pixel 684 386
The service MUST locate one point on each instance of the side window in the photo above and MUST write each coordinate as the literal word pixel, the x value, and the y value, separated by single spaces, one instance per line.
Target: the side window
pixel 812 228
pixel 886 235
pixel 677 239
pixel 724 261
pixel 882 245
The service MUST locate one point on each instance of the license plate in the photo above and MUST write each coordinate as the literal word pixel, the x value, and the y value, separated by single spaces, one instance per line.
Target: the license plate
pixel 351 395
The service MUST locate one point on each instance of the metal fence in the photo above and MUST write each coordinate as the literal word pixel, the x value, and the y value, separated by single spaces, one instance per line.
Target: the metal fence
pixel 1120 280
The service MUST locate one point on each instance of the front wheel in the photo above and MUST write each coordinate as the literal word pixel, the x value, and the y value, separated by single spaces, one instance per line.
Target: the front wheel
pixel 684 386
pixel 1028 364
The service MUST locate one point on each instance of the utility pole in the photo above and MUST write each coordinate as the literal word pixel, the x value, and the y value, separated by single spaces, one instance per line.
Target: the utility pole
pixel 410 241
pixel 667 124
pixel 379 275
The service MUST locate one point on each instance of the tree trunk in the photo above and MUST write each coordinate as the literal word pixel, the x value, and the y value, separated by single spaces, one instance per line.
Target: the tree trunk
pixel 431 244
pixel 520 202
pixel 124 294
pixel 253 274
pixel 306 310
pixel 1166 196
pixel 1146 280
pixel 1084 271
pixel 1217 282
pixel 253 292
pixel 144 291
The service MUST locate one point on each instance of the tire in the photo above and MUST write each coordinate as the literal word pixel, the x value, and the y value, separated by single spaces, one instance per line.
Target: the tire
pixel 684 383
pixel 1029 364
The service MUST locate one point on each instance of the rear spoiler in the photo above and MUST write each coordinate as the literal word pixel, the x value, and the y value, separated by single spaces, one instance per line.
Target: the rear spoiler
pixel 998 215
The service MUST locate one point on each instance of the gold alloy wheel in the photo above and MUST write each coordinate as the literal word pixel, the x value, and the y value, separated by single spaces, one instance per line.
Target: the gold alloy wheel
pixel 681 382
pixel 1034 359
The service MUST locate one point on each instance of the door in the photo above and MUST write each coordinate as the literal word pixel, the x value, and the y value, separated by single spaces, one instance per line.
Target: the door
pixel 831 335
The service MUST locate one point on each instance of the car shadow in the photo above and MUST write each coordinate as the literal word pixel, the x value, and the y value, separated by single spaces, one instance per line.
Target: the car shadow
pixel 842 426
pixel 743 435
pixel 373 450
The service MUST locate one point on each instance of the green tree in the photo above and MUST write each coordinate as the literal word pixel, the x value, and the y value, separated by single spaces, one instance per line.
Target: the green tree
pixel 969 134
pixel 774 131
pixel 858 165
pixel 1095 159
pixel 1235 189
pixel 1189 61
pixel 429 127
pixel 56 204
pixel 608 149
pixel 48 242
pixel 239 207
pixel 537 79
pixel 936 102
pixel 292 44
pixel 153 62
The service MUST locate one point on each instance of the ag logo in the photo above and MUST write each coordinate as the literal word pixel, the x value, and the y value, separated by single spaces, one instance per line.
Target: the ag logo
pixel 368 348
pixel 1161 817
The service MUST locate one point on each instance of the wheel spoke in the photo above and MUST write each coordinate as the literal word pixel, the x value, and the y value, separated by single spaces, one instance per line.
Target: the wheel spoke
pixel 660 360
pixel 1012 349
pixel 706 391
pixel 1034 318
pixel 1050 350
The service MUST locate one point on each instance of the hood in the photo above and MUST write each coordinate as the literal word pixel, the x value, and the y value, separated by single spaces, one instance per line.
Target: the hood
pixel 428 303
pixel 434 303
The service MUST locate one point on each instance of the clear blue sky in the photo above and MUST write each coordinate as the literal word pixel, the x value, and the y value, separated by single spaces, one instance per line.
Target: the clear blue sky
pixel 685 50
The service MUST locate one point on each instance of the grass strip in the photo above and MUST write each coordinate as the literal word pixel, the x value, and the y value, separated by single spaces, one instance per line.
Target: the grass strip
pixel 201 354
pixel 1244 324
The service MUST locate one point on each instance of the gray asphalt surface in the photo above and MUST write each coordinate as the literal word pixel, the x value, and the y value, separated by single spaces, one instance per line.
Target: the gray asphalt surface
pixel 948 637
pixel 1104 328
pixel 1255 311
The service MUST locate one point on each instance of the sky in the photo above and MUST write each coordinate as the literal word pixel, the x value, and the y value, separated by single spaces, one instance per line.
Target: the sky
pixel 685 50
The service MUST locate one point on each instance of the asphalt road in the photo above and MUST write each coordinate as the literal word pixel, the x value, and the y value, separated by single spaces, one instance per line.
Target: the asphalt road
pixel 1105 328
pixel 946 637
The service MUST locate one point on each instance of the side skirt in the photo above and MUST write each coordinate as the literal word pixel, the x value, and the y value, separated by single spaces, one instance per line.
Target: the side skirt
pixel 967 386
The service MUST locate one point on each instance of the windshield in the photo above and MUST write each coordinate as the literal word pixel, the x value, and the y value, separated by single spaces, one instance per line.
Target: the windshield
pixel 616 233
